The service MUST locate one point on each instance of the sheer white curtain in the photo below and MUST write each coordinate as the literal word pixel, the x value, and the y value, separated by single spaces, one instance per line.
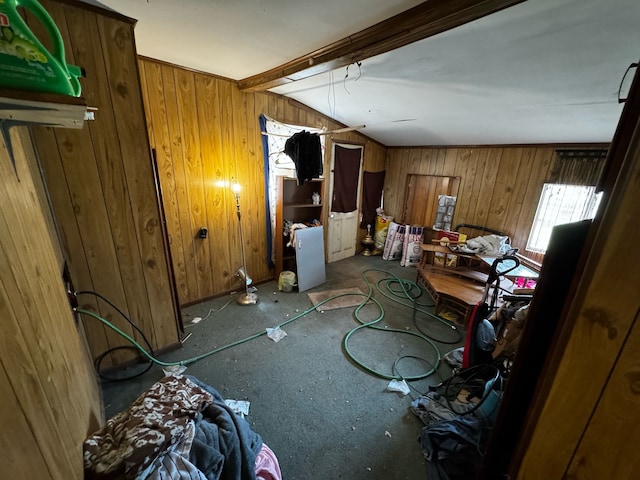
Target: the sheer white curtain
pixel 279 162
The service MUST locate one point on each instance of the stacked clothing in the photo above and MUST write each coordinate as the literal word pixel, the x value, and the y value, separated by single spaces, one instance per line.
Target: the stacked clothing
pixel 180 428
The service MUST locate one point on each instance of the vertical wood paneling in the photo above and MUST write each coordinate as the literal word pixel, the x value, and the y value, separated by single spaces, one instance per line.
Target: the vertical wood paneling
pixel 157 111
pixel 230 162
pixel 486 185
pixel 102 187
pixel 517 199
pixel 106 145
pixel 617 411
pixel 223 123
pixel 88 198
pixel 255 179
pixel 69 231
pixel 18 437
pixel 194 183
pixel 499 187
pixel 395 164
pixel 213 177
pixel 464 202
pixel 450 160
pixel 586 401
pixel 126 96
pixel 534 177
pixel 252 199
pixel 145 97
pixel 49 390
pixel 506 178
pixel 177 165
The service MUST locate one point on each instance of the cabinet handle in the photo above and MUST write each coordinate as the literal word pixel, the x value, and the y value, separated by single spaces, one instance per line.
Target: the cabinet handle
pixel 299 244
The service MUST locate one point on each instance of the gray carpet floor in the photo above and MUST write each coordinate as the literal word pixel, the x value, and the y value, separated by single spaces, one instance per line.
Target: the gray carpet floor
pixel 324 414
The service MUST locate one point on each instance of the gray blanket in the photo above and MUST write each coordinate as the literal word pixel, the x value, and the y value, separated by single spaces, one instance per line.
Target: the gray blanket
pixel 224 446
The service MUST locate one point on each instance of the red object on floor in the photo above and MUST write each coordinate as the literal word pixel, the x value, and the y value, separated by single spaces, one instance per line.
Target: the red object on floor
pixel 466 361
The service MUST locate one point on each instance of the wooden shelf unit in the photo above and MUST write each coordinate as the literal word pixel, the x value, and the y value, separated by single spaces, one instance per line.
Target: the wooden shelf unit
pixel 295 204
pixel 37 108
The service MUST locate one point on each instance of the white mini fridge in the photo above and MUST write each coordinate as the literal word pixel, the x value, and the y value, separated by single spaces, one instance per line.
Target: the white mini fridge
pixel 310 257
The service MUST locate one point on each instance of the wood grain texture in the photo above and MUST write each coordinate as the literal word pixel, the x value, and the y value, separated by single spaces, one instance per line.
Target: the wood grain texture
pixel 101 183
pixel 158 111
pixel 50 398
pixel 223 123
pixel 423 191
pixel 617 411
pixel 422 21
pixel 590 363
pixel 135 156
pixel 499 186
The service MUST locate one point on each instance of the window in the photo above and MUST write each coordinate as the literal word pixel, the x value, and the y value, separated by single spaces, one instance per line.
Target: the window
pixel 558 204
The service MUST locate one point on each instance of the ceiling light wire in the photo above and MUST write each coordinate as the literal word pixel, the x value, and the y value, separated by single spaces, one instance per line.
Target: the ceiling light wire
pixel 332 91
pixel 344 81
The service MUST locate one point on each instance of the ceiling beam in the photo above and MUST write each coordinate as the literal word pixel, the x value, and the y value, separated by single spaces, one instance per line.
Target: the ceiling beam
pixel 420 22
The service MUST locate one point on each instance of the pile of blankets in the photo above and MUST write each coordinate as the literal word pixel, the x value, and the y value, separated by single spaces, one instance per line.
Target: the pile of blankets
pixel 180 428
pixel 491 245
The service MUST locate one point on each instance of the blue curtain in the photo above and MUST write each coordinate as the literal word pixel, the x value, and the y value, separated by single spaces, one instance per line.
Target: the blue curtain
pixel 265 149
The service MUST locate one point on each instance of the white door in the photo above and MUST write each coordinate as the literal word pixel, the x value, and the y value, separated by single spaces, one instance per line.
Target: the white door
pixel 342 231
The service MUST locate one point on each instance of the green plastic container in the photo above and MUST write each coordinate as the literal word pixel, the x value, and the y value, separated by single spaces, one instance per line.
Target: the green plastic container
pixel 25 63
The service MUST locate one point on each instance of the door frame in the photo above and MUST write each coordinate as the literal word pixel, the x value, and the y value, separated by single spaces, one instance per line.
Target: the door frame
pixel 330 213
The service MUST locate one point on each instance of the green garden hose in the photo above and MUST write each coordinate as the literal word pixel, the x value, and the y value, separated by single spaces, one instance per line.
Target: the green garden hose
pixel 407 287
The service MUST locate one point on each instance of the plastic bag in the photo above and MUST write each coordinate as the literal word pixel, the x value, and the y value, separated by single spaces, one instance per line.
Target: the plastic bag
pixel 381 229
pixel 286 281
pixel 276 334
pixel 398 386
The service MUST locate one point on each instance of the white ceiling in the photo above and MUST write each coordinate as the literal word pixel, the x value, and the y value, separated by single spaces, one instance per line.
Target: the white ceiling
pixel 544 71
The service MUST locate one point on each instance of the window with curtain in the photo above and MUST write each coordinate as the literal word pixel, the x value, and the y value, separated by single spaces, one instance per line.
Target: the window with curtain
pixel 569 196
pixel 278 163
pixel 560 203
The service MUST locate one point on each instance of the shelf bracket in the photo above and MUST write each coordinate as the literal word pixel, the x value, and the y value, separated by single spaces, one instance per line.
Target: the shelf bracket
pixel 19 108
pixel 5 126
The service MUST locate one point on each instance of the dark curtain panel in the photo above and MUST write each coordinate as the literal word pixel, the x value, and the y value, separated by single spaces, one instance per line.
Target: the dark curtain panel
pixel 372 185
pixel 346 172
pixel 578 167
pixel 265 149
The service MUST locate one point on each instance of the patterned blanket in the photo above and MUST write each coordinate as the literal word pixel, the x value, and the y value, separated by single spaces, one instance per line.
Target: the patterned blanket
pixel 177 416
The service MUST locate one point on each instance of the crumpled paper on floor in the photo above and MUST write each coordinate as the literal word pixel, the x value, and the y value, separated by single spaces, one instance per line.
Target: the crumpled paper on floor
pixel 174 370
pixel 398 386
pixel 276 334
pixel 239 407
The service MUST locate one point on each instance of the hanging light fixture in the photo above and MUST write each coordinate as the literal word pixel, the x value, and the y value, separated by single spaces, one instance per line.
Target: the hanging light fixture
pixel 247 298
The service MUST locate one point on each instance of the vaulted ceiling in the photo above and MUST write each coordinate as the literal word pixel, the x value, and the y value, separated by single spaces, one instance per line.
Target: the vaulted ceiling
pixel 536 71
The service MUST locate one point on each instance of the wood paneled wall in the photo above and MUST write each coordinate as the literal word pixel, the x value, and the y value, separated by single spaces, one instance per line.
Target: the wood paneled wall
pixel 587 403
pixel 499 186
pixel 49 397
pixel 101 183
pixel 205 133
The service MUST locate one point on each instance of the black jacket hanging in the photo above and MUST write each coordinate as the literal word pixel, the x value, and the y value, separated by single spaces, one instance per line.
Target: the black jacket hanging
pixel 306 152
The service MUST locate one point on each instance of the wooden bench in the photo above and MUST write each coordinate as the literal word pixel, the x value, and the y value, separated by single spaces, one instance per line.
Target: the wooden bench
pixel 459 294
pixel 458 286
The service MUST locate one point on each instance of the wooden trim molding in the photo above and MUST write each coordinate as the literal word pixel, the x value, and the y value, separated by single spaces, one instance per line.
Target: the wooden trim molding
pixel 182 67
pixel 422 21
pixel 100 10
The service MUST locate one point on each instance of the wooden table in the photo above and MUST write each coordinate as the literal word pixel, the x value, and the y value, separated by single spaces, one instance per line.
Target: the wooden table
pixel 459 287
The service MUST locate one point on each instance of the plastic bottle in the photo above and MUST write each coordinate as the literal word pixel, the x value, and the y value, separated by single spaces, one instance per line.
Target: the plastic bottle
pixel 25 63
